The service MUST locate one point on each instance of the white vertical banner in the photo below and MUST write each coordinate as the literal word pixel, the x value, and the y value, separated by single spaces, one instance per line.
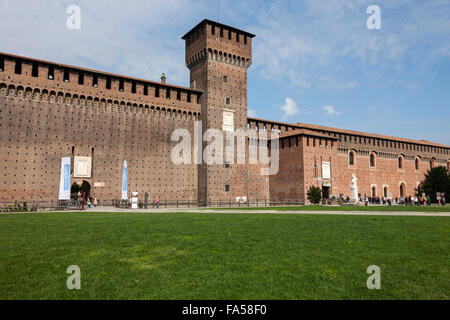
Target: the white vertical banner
pixel 125 181
pixel 64 182
pixel 326 170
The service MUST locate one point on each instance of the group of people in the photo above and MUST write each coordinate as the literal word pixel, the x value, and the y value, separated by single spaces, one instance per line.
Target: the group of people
pixel 407 201
pixel 91 202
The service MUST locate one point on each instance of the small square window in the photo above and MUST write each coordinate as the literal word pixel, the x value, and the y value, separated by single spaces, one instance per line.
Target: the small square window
pixel 225 78
pixel 228 100
pixel 227 188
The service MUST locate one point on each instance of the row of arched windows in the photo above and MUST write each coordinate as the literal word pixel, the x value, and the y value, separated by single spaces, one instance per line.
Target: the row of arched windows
pixel 372 161
pixel 402 191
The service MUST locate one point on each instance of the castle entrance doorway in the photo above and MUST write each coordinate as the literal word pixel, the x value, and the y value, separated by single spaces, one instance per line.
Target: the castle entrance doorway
pixel 86 188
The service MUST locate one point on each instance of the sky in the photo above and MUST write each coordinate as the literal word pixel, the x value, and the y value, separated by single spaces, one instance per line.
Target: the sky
pixel 314 61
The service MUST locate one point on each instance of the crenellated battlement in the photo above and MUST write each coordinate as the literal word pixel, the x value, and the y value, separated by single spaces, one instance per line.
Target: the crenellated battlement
pixel 48 77
pixel 218 42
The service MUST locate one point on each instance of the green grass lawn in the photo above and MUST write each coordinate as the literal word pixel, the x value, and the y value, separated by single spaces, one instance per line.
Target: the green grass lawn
pixel 220 256
pixel 344 208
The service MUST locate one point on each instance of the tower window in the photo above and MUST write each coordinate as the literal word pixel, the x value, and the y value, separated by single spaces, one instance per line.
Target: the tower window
pixel 229 34
pixel 80 77
pixel 227 188
pixel 416 164
pixel 95 80
pixel 228 100
pixel 351 158
pixel 51 72
pixel 225 78
pixel 2 63
pixel 245 39
pixel 133 87
pixel 213 29
pixel 372 160
pixel 121 84
pixel 221 32
pixel 227 163
pixel 168 93
pixel 35 70
pixel 145 89
pixel 400 162
pixel 108 83
pixel 237 36
pixel 66 75
pixel 178 95
pixel 189 97
pixel 18 67
pixel 157 92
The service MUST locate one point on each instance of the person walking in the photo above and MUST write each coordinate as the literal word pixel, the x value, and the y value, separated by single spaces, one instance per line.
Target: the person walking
pixel 157 202
pixel 95 202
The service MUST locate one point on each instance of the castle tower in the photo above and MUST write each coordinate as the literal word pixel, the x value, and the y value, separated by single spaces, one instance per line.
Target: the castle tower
pixel 218 57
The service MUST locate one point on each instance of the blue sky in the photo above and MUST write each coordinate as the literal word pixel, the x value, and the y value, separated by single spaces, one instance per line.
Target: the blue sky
pixel 314 61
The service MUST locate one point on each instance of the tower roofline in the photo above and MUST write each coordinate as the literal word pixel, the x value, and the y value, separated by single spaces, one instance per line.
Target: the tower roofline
pixel 217 24
pixel 98 72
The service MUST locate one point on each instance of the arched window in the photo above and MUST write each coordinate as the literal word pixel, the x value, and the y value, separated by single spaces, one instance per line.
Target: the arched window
pixel 351 158
pixel 385 191
pixel 400 162
pixel 431 163
pixel 402 190
pixel 372 160
pixel 416 164
pixel 374 191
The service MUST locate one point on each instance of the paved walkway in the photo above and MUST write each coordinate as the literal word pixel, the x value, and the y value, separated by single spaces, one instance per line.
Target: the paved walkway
pixel 237 210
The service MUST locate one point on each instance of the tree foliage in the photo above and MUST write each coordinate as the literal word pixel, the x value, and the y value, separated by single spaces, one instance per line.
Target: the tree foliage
pixel 314 194
pixel 436 180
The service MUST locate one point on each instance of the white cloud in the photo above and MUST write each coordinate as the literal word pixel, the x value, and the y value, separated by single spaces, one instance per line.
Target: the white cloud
pixel 331 111
pixel 326 44
pixel 290 108
pixel 137 38
pixel 251 113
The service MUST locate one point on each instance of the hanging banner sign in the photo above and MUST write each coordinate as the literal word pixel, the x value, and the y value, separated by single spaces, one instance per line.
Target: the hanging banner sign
pixel 326 170
pixel 125 181
pixel 64 183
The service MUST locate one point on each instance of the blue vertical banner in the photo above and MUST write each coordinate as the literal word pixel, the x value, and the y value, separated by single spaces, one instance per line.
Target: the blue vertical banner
pixel 64 183
pixel 125 181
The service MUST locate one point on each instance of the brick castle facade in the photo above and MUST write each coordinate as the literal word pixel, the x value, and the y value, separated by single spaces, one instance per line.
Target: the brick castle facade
pixel 49 111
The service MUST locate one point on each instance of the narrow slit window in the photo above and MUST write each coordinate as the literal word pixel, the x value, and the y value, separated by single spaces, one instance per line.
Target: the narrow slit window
pixel 213 29
pixel 66 75
pixel 229 34
pixel 157 92
pixel 81 78
pixel 245 39
pixel 168 93
pixel 121 84
pixel 178 95
pixel 18 67
pixel 189 97
pixel 95 80
pixel 221 32
pixel 51 72
pixel 133 87
pixel 145 89
pixel 108 83
pixel 35 70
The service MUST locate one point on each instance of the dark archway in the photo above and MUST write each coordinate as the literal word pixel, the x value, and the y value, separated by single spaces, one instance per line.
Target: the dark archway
pixel 86 188
pixel 402 190
pixel 74 190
